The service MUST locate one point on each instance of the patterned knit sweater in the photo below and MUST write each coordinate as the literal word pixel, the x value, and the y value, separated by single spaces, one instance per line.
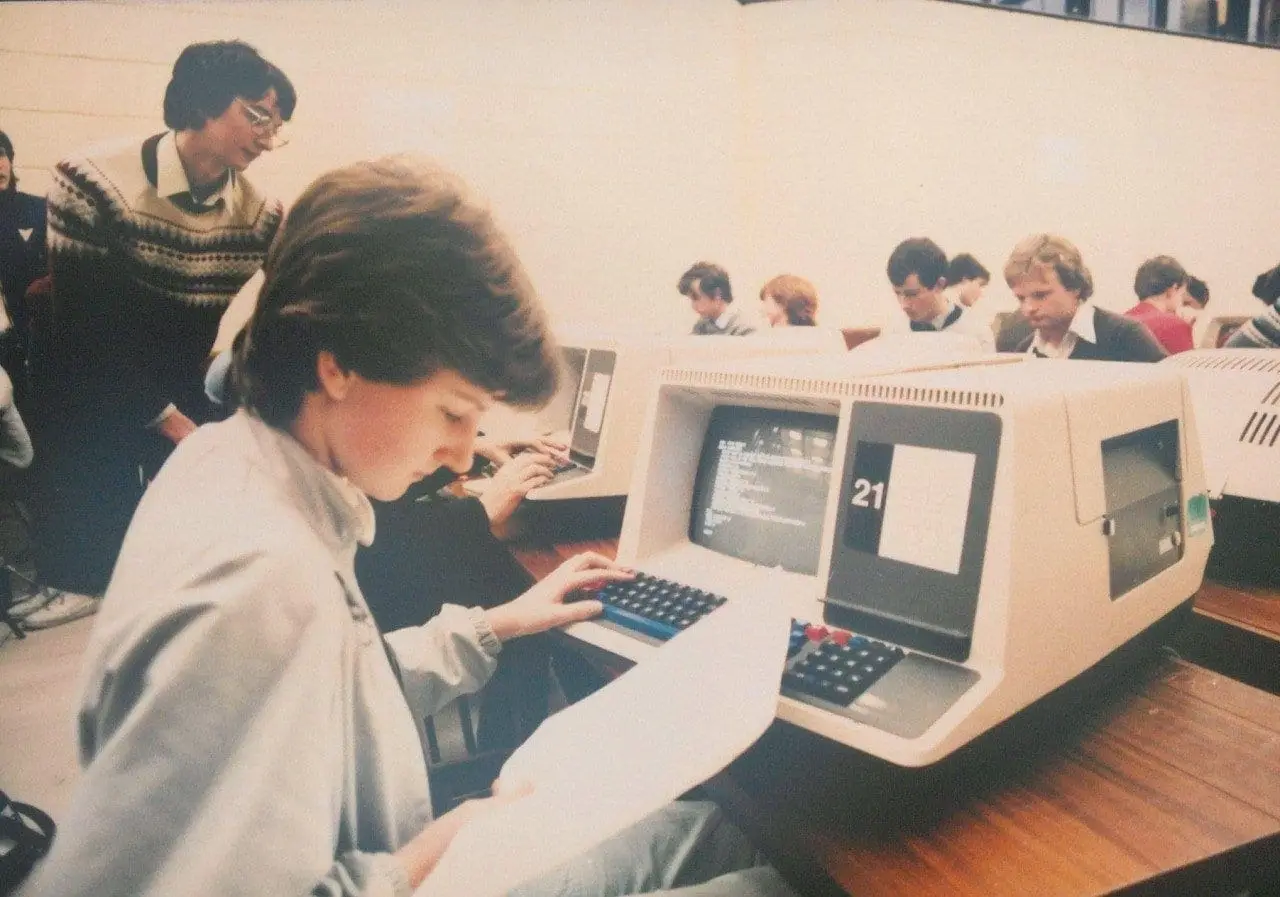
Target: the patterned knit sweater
pixel 141 282
pixel 1262 332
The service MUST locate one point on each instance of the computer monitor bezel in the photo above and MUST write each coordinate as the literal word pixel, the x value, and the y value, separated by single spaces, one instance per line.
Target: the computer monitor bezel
pixel 855 573
pixel 585 452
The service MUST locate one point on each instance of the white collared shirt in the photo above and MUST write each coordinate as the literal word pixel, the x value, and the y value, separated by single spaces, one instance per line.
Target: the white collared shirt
pixel 171 177
pixel 1080 328
pixel 940 321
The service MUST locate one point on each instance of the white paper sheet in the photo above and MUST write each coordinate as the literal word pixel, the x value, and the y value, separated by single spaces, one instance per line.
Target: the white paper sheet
pixel 927 506
pixel 668 724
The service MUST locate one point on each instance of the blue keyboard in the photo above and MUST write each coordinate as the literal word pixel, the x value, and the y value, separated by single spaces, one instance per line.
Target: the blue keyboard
pixel 829 664
pixel 658 608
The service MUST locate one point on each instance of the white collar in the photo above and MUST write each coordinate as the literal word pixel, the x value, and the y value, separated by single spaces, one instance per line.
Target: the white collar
pixel 171 177
pixel 725 319
pixel 1082 327
pixel 940 321
pixel 338 508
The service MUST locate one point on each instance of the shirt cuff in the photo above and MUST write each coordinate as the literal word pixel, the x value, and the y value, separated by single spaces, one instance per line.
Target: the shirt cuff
pixel 484 632
pixel 163 415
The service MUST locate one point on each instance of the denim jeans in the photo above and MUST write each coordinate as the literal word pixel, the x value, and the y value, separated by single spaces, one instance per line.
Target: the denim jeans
pixel 686 849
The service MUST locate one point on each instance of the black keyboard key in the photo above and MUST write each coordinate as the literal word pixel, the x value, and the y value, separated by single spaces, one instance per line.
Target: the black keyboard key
pixel 656 607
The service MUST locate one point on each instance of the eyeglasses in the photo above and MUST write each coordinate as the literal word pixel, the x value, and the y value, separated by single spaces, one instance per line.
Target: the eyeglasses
pixel 264 124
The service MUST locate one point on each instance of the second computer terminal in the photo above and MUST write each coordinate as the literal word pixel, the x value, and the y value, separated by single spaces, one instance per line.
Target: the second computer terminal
pixel 952 544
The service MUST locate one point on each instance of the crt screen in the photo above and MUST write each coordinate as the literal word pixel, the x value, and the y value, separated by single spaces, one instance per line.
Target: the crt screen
pixel 762 484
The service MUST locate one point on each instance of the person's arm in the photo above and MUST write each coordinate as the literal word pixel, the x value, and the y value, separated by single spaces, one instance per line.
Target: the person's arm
pixel 1263 332
pixel 455 652
pixel 215 741
pixel 452 654
pixel 514 480
pixel 15 441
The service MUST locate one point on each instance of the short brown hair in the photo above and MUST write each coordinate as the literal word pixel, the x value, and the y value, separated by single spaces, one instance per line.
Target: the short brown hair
pixel 1158 275
pixel 797 296
pixel 393 267
pixel 1050 251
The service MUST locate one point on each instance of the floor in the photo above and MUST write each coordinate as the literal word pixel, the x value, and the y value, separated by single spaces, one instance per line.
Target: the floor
pixel 39 692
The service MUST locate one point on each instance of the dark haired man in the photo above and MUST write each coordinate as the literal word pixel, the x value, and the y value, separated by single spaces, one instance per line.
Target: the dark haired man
pixel 1161 285
pixel 707 287
pixel 22 260
pixel 917 270
pixel 148 244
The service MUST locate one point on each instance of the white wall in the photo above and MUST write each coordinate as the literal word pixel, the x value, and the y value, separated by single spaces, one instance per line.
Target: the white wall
pixel 621 140
pixel 875 121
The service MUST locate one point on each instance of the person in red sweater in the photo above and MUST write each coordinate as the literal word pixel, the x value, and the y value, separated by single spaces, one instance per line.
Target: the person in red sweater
pixel 1161 285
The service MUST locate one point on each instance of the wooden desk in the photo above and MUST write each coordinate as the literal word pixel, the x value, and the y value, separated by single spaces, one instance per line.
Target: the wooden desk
pixel 1256 609
pixel 1236 631
pixel 1168 782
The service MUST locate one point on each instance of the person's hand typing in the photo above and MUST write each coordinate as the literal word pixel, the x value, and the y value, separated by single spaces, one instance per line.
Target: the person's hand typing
pixel 512 482
pixel 549 444
pixel 543 606
pixel 495 453
pixel 552 444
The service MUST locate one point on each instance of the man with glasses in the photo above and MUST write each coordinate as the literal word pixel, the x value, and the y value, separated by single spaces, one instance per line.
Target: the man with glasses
pixel 148 244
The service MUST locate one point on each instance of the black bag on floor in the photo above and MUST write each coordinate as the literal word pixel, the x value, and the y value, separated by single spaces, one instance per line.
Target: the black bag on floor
pixel 25 836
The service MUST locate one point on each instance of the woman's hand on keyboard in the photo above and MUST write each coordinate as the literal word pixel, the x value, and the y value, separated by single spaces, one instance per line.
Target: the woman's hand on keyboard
pixel 512 483
pixel 501 453
pixel 543 606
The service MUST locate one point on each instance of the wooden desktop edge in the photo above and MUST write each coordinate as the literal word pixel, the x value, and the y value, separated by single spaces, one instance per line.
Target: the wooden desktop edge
pixel 1217 838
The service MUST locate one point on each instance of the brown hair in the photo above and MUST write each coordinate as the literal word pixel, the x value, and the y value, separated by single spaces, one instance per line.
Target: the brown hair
pixel 1050 251
pixel 797 296
pixel 1158 275
pixel 393 267
pixel 710 279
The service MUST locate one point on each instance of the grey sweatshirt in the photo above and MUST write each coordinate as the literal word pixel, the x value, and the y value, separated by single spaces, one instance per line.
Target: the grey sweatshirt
pixel 242 729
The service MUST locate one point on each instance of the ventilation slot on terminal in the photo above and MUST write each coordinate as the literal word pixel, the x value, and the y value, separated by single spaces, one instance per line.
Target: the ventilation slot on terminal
pixel 930 396
pixel 1231 361
pixel 759 382
pixel 1262 429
